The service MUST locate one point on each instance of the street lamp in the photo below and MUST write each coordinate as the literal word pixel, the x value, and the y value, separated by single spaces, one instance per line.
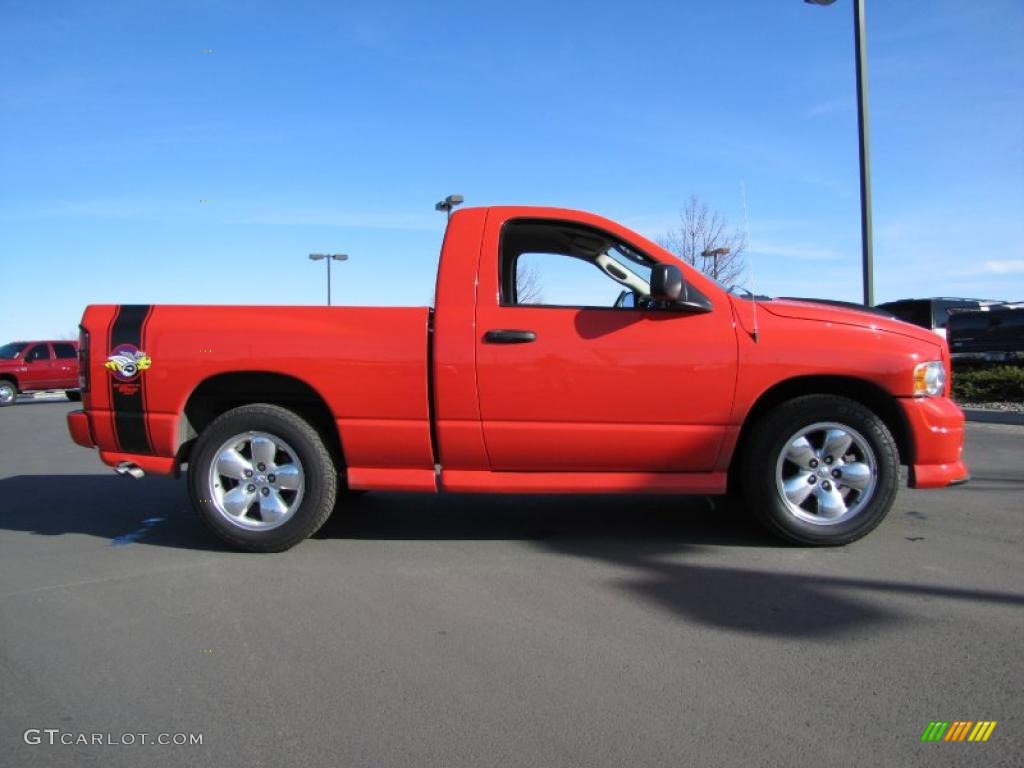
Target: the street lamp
pixel 448 204
pixel 714 253
pixel 328 257
pixel 860 45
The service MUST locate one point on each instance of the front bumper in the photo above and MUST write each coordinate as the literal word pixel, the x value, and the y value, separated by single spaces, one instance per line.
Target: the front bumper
pixel 937 432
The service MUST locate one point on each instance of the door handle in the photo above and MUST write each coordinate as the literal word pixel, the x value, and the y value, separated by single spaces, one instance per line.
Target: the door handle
pixel 509 337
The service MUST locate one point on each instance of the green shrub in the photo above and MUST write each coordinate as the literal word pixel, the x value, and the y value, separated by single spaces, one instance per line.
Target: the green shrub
pixel 991 383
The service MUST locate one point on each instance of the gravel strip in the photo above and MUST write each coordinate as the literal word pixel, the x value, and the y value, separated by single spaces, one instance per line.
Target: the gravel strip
pixel 995 406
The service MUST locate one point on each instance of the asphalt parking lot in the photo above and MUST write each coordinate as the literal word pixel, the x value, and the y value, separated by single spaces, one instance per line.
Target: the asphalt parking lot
pixel 480 631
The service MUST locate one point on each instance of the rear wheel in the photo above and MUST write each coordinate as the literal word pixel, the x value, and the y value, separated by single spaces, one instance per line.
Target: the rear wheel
pixel 8 392
pixel 262 479
pixel 820 470
pixel 73 395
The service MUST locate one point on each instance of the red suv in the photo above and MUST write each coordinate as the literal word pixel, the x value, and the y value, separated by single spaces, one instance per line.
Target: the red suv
pixel 30 366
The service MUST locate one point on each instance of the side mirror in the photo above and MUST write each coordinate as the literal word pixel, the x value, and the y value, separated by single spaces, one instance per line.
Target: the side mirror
pixel 666 282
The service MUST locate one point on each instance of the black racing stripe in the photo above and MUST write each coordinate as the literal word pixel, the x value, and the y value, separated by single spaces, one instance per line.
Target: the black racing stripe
pixel 145 392
pixel 129 412
pixel 128 324
pixel 110 383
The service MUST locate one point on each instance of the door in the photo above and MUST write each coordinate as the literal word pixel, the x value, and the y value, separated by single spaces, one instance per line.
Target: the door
pixel 577 370
pixel 65 365
pixel 38 372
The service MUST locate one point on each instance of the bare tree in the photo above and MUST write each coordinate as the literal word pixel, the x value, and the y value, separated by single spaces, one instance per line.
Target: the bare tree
pixel 704 231
pixel 528 286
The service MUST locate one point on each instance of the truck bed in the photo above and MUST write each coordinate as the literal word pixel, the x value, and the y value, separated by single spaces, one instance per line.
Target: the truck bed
pixel 368 365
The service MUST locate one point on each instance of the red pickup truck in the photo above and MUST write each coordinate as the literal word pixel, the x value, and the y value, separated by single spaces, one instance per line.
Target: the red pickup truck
pixel 36 366
pixel 564 354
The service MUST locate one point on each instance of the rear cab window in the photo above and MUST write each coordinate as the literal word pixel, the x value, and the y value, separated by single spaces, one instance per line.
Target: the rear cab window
pixel 65 351
pixel 943 310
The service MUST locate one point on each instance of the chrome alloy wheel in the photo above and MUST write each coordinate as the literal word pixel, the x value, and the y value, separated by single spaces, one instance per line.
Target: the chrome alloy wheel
pixel 257 481
pixel 7 393
pixel 826 473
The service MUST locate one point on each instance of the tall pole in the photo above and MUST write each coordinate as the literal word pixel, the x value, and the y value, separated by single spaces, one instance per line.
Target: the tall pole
pixel 860 46
pixel 329 257
pixel 867 246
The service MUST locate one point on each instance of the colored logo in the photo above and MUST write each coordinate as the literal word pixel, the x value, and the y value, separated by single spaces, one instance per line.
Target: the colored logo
pixel 958 730
pixel 126 362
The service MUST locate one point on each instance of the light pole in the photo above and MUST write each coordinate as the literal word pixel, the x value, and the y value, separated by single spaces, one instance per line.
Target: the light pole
pixel 328 257
pixel 448 204
pixel 860 45
pixel 714 253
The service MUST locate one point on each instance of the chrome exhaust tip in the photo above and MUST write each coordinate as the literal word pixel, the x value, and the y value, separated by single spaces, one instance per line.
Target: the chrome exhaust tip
pixel 127 469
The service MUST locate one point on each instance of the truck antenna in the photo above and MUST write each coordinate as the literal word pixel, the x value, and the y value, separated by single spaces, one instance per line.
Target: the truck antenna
pixel 754 334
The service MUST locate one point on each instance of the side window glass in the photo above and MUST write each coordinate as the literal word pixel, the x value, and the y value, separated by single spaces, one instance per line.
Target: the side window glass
pixel 65 351
pixel 560 264
pixel 38 352
pixel 916 312
pixel 555 280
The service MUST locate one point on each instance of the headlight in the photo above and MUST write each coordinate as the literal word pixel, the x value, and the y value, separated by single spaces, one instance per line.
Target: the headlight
pixel 929 379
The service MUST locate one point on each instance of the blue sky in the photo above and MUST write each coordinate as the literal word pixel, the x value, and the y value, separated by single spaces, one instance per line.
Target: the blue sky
pixel 336 126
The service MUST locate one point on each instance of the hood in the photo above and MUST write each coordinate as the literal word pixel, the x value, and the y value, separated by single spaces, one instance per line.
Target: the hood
pixel 808 309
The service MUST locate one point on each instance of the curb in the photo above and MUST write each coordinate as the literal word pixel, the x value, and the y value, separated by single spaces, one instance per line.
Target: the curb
pixel 986 416
pixel 42 397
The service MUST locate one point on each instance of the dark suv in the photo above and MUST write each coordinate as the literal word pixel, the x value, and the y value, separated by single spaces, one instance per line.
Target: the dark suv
pixel 993 335
pixel 32 366
pixel 933 313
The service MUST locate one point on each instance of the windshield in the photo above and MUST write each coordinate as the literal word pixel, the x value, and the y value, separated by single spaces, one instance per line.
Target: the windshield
pixel 10 351
pixel 736 290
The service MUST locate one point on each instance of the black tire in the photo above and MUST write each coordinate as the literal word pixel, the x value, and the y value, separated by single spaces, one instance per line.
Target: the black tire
pixel 762 470
pixel 8 392
pixel 73 395
pixel 315 462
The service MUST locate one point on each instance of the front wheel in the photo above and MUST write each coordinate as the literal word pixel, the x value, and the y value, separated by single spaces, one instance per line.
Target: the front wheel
pixel 820 470
pixel 262 479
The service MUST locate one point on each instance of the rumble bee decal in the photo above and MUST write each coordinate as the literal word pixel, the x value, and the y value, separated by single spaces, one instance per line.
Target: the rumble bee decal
pixel 126 362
